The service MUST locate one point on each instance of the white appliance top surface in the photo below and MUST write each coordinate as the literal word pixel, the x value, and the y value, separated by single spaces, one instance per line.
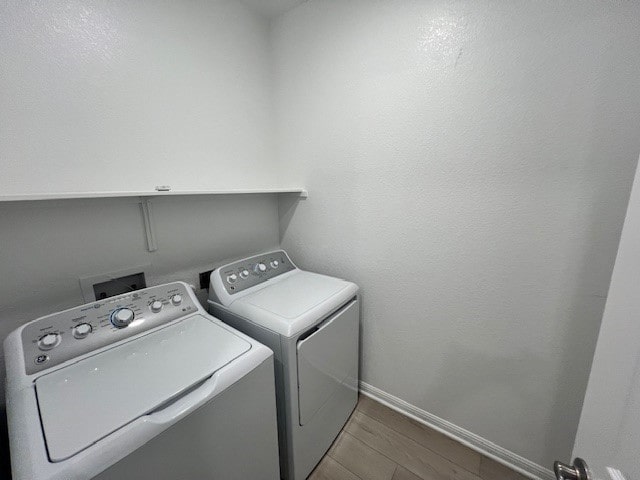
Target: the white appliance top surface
pixel 293 302
pixel 296 294
pixel 84 402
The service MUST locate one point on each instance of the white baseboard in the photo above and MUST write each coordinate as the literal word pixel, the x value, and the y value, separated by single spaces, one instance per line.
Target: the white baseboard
pixel 471 440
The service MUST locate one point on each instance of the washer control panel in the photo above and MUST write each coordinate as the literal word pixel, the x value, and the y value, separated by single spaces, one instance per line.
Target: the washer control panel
pixel 252 271
pixel 65 335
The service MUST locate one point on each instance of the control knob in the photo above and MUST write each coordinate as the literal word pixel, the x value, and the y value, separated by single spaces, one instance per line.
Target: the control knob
pixel 176 299
pixel 244 273
pixel 82 330
pixel 48 341
pixel 156 306
pixel 260 267
pixel 274 263
pixel 232 278
pixel 122 317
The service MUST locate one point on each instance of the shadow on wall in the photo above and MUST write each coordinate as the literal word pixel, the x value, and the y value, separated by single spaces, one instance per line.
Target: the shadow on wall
pixel 287 205
pixel 580 332
pixel 610 109
pixel 5 462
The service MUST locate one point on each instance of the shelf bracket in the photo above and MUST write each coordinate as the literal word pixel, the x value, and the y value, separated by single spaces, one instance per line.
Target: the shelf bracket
pixel 149 225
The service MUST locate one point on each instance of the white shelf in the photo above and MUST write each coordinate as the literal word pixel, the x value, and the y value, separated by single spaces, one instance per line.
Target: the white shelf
pixel 71 195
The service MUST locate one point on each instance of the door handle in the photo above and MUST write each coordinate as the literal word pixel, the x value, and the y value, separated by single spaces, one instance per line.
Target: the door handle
pixel 578 471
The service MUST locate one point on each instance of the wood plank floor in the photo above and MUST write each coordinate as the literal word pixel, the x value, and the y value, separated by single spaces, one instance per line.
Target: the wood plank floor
pixel 378 443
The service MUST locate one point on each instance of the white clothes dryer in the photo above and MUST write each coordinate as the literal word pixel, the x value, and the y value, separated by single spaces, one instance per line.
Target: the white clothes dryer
pixel 311 322
pixel 144 386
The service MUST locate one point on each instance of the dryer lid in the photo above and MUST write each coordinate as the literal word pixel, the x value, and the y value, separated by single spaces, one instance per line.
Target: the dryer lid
pixel 86 401
pixel 294 302
pixel 297 294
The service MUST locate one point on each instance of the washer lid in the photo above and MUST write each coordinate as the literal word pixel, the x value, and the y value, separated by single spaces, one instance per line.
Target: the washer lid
pixel 295 302
pixel 88 400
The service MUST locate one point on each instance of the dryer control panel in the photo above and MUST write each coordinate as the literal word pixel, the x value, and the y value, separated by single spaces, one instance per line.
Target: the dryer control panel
pixel 243 274
pixel 65 335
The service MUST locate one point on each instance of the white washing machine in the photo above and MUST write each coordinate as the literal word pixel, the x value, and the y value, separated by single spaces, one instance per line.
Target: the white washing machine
pixel 144 386
pixel 311 322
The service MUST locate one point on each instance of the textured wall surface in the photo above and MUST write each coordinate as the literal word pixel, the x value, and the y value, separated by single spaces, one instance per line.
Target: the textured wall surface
pixel 272 8
pixel 468 164
pixel 124 95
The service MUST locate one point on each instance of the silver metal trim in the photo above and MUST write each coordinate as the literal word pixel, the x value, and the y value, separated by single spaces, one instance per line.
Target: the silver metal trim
pixel 578 471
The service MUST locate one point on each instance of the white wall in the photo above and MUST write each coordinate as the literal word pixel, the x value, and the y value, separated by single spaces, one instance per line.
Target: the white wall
pixel 125 95
pixel 468 164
